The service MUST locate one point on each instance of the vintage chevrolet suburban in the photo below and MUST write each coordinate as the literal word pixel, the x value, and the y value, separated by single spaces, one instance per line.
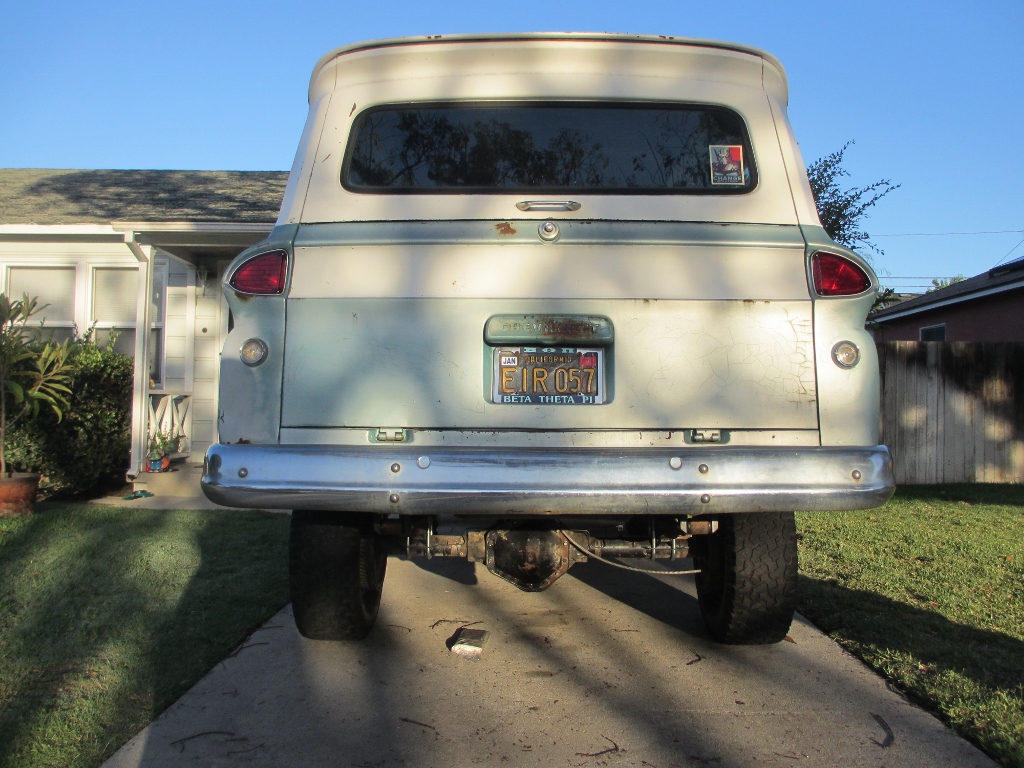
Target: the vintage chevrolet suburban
pixel 539 298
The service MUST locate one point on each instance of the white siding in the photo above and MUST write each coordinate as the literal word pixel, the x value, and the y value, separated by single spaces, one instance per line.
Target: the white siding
pixel 210 329
pixel 179 276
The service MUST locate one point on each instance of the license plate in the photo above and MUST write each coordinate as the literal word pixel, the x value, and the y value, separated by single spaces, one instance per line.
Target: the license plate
pixel 548 376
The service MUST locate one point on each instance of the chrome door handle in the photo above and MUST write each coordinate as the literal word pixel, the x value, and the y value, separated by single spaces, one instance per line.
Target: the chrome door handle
pixel 548 205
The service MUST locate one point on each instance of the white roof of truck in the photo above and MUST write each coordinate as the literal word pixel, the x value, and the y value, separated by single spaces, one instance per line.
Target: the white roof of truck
pixel 776 84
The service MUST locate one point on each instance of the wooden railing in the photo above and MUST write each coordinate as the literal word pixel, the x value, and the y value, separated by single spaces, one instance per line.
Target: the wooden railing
pixel 169 414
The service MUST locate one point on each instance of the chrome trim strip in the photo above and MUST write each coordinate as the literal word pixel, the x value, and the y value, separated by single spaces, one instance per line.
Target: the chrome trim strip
pixel 504 483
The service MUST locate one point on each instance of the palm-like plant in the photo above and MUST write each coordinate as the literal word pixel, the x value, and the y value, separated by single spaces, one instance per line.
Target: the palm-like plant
pixel 31 374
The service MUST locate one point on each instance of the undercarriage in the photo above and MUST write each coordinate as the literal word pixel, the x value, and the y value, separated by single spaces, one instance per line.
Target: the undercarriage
pixel 532 554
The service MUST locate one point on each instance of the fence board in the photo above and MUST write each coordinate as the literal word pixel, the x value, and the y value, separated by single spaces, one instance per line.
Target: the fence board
pixel 953 411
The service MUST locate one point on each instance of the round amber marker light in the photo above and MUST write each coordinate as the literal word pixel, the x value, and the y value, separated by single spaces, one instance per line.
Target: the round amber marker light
pixel 253 352
pixel 846 354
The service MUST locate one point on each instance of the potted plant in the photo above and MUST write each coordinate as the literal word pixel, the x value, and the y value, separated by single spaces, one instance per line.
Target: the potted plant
pixel 161 446
pixel 33 374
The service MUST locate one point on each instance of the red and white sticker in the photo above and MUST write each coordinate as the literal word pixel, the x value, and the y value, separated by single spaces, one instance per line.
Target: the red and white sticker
pixel 588 360
pixel 727 164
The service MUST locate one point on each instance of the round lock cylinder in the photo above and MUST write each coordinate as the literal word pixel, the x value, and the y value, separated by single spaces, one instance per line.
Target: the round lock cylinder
pixel 845 354
pixel 253 352
pixel 548 231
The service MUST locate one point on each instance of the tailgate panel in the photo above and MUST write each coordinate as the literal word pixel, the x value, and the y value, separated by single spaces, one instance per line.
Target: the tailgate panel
pixel 422 362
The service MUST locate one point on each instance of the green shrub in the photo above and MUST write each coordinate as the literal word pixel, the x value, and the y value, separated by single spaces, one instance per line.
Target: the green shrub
pixel 90 447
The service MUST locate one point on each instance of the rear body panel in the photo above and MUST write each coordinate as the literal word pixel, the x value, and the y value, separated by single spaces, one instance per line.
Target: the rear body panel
pixel 706 334
pixel 710 331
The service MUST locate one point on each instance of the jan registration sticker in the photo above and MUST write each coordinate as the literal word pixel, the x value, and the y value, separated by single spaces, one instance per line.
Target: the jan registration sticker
pixel 726 164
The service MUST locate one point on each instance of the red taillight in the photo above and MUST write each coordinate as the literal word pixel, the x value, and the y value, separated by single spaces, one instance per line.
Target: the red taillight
pixel 837 276
pixel 263 274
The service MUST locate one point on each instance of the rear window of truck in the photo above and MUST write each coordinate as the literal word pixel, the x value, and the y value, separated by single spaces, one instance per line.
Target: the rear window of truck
pixel 549 147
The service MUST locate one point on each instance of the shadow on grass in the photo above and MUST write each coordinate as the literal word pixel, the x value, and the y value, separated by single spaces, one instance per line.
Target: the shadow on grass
pixel 973 678
pixel 1003 494
pixel 109 614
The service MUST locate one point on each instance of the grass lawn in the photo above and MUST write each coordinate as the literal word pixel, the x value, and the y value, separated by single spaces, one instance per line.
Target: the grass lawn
pixel 109 614
pixel 929 590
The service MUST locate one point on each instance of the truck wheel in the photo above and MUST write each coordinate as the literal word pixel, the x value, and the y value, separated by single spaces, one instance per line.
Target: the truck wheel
pixel 336 566
pixel 746 587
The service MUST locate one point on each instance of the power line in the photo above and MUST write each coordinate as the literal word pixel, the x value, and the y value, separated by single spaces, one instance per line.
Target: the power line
pixel 1008 254
pixel 949 234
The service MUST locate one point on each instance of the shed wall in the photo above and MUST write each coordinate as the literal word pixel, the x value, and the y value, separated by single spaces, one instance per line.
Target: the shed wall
pixel 998 317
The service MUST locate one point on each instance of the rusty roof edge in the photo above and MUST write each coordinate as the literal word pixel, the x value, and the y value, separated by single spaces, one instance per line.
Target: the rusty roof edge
pixel 503 37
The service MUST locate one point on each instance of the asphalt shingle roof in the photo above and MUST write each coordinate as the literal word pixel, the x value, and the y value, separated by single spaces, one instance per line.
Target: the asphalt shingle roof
pixel 994 278
pixel 48 196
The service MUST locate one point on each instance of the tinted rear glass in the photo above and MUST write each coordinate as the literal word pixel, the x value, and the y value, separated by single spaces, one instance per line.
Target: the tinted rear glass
pixel 549 147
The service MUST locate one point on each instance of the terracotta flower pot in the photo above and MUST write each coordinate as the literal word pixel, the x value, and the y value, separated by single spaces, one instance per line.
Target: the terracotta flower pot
pixel 18 493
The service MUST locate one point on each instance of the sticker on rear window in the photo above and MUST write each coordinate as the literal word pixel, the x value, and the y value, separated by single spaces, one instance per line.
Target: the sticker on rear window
pixel 726 163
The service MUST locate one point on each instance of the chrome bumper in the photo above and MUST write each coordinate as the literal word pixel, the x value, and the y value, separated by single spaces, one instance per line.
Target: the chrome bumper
pixel 406 480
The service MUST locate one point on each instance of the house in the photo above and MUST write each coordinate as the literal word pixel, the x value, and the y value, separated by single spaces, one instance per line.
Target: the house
pixel 987 307
pixel 120 250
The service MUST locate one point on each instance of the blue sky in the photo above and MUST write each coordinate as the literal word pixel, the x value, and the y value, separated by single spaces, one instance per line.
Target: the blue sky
pixel 932 92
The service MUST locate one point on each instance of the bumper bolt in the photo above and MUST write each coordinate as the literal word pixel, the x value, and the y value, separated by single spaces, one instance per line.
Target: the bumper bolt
pixel 703 469
pixel 243 472
pixel 856 474
pixel 393 498
pixel 423 462
pixel 396 467
pixel 705 499
pixel 675 462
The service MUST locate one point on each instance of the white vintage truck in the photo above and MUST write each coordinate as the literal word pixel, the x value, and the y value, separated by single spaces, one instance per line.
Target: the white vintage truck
pixel 539 298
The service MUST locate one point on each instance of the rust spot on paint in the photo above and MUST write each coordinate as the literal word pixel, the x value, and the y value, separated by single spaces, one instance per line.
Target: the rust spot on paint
pixel 505 228
pixel 353 111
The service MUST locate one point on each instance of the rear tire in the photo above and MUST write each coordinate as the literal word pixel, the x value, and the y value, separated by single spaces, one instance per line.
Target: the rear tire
pixel 336 568
pixel 747 583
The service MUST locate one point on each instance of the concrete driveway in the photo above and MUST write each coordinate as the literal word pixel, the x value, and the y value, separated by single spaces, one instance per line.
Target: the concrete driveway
pixel 605 668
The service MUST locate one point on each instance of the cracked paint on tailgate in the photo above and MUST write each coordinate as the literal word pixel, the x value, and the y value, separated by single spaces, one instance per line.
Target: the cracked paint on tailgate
pixel 419 362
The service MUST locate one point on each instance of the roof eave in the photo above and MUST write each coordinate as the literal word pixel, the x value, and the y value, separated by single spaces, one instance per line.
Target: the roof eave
pixel 123 225
pixel 60 233
pixel 932 305
pixel 188 239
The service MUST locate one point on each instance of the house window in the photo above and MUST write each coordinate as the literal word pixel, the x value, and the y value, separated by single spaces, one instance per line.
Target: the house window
pixel 55 287
pixel 933 333
pixel 114 295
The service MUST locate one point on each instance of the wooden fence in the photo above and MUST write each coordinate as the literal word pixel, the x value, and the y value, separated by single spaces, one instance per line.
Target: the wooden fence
pixel 953 412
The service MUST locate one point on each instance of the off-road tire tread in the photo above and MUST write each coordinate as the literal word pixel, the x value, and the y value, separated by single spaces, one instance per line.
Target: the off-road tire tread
pixel 751 597
pixel 333 595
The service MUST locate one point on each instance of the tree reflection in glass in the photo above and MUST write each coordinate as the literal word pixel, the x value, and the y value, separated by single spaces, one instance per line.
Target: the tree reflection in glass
pixel 550 147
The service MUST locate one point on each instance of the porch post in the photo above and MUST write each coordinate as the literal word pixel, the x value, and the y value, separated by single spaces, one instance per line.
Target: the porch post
pixel 140 390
